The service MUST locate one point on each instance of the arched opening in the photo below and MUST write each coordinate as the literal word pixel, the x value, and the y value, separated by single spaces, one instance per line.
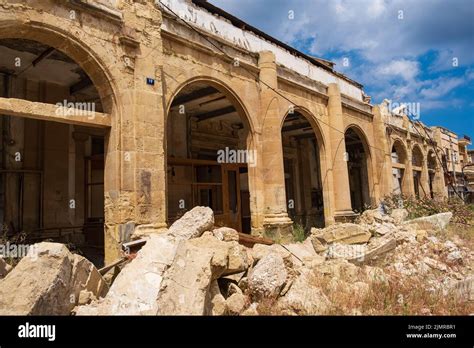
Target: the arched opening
pixel 357 165
pixel 417 164
pixel 302 150
pixel 399 157
pixel 51 173
pixel 209 155
pixel 432 165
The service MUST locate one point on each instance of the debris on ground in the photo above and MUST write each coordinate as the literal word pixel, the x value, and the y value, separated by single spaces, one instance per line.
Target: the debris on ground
pixel 195 268
pixel 49 280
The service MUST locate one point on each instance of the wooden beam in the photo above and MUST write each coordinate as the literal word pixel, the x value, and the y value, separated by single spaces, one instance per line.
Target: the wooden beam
pixel 215 113
pixel 201 93
pixel 43 55
pixel 53 112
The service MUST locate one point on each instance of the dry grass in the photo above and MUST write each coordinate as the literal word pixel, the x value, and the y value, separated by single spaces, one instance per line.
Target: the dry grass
pixel 393 297
pixel 396 297
pixel 466 233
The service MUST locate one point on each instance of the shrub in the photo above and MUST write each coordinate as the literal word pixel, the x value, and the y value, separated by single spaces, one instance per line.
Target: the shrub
pixel 298 233
pixel 463 214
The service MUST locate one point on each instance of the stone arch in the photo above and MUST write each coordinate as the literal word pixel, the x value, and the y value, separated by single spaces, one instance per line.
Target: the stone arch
pixel 223 88
pixel 105 140
pixel 311 118
pixel 310 192
pixel 208 102
pixel 419 174
pixel 399 156
pixel 431 160
pixel 60 39
pixel 399 147
pixel 417 155
pixel 360 132
pixel 361 178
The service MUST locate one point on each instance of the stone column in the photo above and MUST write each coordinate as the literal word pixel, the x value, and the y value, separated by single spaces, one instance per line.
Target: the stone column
pixel 341 187
pixel 276 221
pixel 382 156
pixel 439 185
pixel 425 178
pixel 135 167
pixel 408 185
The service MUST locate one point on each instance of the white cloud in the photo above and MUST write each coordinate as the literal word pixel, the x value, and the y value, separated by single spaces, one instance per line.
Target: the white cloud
pixel 441 87
pixel 407 69
pixel 376 8
pixel 391 57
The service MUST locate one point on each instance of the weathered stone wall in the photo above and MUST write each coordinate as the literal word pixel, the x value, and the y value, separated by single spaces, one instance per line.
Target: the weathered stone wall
pixel 121 44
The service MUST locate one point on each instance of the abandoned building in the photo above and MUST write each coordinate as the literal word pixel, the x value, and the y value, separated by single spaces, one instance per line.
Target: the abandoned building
pixel 120 115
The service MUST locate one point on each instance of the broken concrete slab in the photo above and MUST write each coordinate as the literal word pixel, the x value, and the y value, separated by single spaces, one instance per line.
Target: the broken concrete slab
pixel 259 251
pixel 318 245
pixel 379 246
pixel 136 288
pixel 382 228
pixel 239 258
pixel 226 234
pixel 193 223
pixel 48 281
pixel 220 250
pixel 304 297
pixel 302 253
pixel 267 278
pixel 185 288
pixel 347 233
pixel 302 250
pixel 432 222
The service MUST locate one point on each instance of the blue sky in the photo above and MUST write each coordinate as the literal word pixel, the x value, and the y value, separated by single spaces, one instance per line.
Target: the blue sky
pixel 405 50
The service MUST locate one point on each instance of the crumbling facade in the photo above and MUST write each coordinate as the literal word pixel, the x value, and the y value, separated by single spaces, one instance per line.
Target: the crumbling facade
pixel 125 114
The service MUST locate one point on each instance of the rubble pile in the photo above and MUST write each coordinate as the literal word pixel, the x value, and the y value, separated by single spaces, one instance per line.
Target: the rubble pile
pixel 194 268
pixel 50 280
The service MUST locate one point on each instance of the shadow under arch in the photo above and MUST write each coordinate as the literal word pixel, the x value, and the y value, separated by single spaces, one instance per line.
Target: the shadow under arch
pixel 360 168
pixel 92 164
pixel 417 159
pixel 305 167
pixel 71 46
pixel 399 147
pixel 222 87
pixel 433 166
pixel 204 119
pixel 399 156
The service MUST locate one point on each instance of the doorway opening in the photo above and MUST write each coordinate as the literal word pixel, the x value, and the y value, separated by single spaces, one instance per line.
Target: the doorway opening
pixel 51 173
pixel 208 156
pixel 302 165
pixel 357 166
